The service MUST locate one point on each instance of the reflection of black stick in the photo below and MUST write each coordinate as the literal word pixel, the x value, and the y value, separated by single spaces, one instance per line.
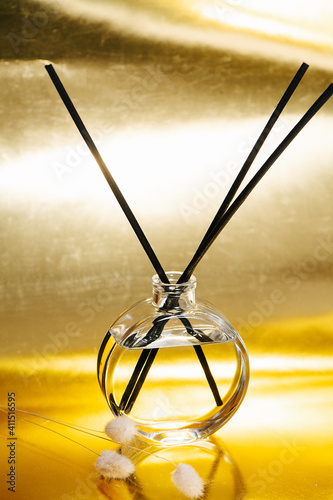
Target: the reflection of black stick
pixel 208 373
pixel 135 488
pixel 135 375
pixel 146 360
pixel 245 168
pixel 222 222
pixel 212 473
pixel 141 379
pixel 119 196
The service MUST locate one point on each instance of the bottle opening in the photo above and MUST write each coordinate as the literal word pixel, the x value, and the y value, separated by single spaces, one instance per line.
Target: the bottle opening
pixel 173 296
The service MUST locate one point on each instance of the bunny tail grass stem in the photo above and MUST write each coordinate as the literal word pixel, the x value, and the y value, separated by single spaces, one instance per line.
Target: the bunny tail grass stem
pixel 79 428
pixel 59 434
pixel 113 465
pixel 93 433
pixel 317 105
pixel 245 168
pixel 114 187
pixel 84 430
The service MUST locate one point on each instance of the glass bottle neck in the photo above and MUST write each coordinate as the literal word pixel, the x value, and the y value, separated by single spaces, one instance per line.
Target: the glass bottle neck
pixel 173 297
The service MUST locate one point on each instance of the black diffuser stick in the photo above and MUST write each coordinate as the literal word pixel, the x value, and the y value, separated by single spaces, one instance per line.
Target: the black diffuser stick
pixel 247 164
pixel 226 202
pixel 318 104
pixel 126 209
pixel 110 180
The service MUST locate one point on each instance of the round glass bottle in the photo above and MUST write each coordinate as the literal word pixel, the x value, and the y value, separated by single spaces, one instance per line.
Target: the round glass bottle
pixel 174 365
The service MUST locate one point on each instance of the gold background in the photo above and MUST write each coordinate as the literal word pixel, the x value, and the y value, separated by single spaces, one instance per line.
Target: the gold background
pixel 175 94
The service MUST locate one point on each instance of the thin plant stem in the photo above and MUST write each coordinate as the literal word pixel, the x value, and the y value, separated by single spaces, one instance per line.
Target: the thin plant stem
pixel 94 433
pixel 79 428
pixel 59 434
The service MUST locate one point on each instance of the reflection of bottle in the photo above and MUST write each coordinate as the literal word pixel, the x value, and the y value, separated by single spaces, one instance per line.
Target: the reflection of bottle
pixel 210 458
pixel 149 365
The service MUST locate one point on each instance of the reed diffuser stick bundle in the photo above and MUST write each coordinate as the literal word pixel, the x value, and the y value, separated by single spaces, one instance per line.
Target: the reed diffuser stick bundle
pixel 222 217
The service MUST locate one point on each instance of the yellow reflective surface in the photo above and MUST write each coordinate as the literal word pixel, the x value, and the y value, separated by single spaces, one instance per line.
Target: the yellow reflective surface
pixel 278 445
pixel 175 94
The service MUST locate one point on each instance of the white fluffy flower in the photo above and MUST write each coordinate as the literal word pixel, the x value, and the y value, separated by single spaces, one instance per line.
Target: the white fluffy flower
pixel 121 429
pixel 112 465
pixel 188 481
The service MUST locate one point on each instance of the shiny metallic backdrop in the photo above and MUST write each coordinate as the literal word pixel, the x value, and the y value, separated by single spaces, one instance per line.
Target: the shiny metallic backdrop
pixel 175 94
